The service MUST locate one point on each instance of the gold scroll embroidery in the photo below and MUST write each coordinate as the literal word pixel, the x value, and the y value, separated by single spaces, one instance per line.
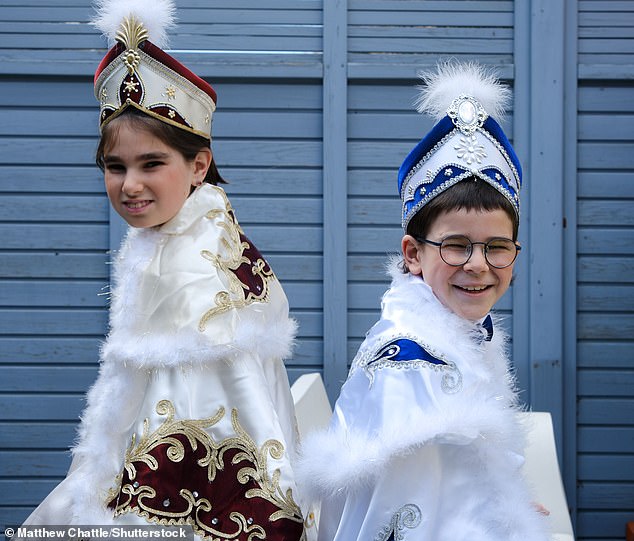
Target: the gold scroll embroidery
pixel 235 247
pixel 246 451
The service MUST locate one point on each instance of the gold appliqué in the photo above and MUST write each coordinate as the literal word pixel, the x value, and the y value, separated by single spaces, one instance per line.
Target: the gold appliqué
pixel 243 449
pixel 131 33
pixel 239 253
pixel 170 92
pixel 130 86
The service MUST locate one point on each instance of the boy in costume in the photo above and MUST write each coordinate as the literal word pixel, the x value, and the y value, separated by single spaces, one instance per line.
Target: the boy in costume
pixel 424 438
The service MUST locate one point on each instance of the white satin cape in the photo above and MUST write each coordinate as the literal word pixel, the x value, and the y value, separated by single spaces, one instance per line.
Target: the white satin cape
pixel 180 331
pixel 423 451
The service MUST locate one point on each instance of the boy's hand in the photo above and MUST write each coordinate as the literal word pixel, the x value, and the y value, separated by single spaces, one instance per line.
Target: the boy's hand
pixel 541 509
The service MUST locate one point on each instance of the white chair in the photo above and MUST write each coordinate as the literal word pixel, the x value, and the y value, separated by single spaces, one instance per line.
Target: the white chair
pixel 312 407
pixel 541 468
pixel 542 472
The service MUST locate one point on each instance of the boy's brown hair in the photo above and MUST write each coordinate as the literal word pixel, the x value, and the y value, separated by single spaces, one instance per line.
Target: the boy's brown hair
pixel 469 194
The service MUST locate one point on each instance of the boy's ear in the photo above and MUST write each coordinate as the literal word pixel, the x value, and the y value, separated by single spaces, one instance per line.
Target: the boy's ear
pixel 202 161
pixel 409 247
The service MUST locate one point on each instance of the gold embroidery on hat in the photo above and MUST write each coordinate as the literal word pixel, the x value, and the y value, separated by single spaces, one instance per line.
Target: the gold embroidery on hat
pixel 132 33
pixel 130 86
pixel 170 92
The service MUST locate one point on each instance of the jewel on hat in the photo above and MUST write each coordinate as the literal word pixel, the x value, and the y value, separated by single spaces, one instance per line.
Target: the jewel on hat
pixel 466 141
pixel 137 72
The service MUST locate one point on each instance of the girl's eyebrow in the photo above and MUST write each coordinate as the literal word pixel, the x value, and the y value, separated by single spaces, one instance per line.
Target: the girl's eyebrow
pixel 112 158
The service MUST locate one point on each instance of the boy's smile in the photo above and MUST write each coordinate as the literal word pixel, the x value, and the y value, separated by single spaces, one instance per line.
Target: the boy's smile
pixel 472 289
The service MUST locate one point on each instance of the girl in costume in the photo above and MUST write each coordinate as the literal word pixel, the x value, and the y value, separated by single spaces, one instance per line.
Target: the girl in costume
pixel 425 435
pixel 191 420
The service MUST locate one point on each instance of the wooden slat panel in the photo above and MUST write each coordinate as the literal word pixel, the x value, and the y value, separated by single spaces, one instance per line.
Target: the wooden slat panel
pixel 366 267
pixel 46 379
pixel 421 17
pixel 606 411
pixel 609 155
pixel 611 241
pixel 446 6
pixel 614 99
pixel 613 383
pixel 606 468
pixel 601 298
pixel 51 435
pixel 19 407
pixel 21 322
pixel 374 240
pixel 605 326
pixel 277 210
pixel 604 354
pixel 34 463
pixel 431 44
pixel 605 184
pixel 54 265
pixel 374 211
pixel 605 269
pixel 54 350
pixel 53 293
pixel 606 439
pixel 604 526
pixel 609 496
pixel 54 208
pixel 606 127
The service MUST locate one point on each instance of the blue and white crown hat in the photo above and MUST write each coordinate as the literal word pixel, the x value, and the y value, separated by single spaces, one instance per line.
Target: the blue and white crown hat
pixel 466 140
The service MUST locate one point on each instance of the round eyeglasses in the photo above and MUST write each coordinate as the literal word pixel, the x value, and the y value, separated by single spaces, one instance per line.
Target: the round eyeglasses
pixel 456 250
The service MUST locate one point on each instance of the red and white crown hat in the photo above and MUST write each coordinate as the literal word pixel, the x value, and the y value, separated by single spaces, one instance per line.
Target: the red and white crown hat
pixel 137 72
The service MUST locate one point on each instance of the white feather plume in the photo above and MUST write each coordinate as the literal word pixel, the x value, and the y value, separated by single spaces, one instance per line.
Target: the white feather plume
pixel 158 16
pixel 453 78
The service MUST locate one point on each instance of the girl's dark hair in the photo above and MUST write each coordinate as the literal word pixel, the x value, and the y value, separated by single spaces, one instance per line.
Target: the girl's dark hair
pixel 187 143
pixel 468 194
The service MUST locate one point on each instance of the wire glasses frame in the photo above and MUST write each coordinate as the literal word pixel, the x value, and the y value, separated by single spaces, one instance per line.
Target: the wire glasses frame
pixel 456 250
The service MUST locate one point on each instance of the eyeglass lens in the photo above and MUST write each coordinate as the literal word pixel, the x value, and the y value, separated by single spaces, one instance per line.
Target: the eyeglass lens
pixel 457 250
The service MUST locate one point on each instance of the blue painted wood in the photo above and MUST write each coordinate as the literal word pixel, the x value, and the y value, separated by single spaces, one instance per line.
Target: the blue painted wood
pixel 545 204
pixel 570 297
pixel 31 435
pixel 602 468
pixel 335 162
pixel 521 141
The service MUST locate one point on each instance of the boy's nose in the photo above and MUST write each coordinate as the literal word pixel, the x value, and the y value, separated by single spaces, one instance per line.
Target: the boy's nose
pixel 477 262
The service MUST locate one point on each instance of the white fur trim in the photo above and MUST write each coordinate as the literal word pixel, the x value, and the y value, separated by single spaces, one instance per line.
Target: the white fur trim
pixel 192 348
pixel 463 419
pixel 442 87
pixel 156 15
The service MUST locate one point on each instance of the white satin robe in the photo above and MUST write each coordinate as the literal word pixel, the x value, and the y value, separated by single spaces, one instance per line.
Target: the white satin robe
pixel 423 444
pixel 195 348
